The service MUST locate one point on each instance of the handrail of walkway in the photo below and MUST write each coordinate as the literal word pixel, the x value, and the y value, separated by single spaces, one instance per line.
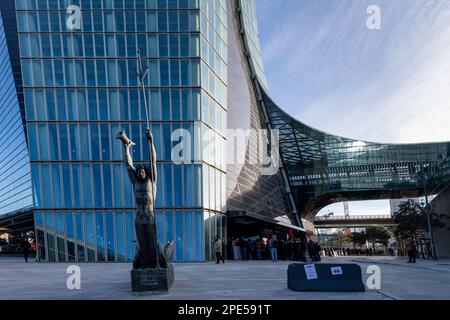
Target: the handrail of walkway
pixel 357 217
pixel 25 210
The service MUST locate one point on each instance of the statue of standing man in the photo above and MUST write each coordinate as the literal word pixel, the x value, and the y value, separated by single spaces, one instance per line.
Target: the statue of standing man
pixel 144 179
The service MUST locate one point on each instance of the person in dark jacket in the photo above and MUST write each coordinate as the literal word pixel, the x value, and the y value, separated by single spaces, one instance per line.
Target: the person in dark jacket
pixel 296 251
pixel 302 252
pixel 274 248
pixel 230 252
pixel 243 247
pixel 317 250
pixel 218 247
pixel 311 250
pixel 412 254
pixel 249 250
pixel 25 245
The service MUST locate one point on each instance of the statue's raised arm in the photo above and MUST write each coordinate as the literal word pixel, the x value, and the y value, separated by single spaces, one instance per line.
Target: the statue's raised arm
pixel 152 164
pixel 127 144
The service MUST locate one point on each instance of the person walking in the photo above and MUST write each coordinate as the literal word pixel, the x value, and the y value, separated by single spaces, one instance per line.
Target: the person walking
pixel 274 248
pixel 25 245
pixel 218 248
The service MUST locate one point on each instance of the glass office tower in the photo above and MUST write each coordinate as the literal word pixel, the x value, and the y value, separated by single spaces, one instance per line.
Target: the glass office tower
pixel 80 90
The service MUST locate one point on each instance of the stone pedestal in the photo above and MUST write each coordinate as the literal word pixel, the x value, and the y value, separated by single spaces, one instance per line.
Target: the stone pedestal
pixel 152 280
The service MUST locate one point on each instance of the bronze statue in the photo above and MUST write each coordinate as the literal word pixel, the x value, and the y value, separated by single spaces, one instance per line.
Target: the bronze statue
pixel 143 179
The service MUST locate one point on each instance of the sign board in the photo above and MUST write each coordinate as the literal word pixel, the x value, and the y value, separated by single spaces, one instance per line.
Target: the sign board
pixel 311 273
pixel 329 277
pixel 336 271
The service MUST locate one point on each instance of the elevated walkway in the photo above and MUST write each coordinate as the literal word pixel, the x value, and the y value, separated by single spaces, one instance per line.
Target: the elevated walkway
pixel 358 221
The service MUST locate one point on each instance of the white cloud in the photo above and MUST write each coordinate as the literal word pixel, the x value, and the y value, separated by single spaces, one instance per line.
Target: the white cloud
pixel 390 86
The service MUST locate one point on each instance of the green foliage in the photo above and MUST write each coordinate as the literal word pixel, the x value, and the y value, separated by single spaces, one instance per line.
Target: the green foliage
pixel 358 238
pixel 343 236
pixel 378 234
pixel 412 220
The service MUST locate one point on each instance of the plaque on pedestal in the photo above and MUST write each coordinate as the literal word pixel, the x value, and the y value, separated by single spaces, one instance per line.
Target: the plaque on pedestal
pixel 152 280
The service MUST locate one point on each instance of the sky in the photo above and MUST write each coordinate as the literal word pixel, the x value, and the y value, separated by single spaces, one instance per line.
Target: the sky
pixel 327 69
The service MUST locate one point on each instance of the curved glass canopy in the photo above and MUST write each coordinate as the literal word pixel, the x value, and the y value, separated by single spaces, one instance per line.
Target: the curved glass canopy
pixel 324 168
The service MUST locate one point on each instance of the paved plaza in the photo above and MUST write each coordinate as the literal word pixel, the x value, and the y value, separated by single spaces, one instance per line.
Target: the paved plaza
pixel 253 280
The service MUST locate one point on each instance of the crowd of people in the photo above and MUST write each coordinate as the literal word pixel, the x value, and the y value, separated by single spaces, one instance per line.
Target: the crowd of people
pixel 273 248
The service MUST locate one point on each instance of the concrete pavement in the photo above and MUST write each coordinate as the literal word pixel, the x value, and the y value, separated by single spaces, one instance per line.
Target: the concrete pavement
pixel 253 280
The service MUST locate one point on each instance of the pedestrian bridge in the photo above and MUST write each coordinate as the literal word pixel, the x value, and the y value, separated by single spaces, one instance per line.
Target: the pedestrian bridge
pixel 355 221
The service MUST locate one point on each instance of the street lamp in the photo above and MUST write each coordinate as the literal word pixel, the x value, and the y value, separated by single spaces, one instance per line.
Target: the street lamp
pixel 423 175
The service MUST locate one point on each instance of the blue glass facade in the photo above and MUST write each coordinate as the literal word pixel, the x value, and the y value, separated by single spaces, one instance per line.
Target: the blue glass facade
pixel 250 27
pixel 15 179
pixel 80 90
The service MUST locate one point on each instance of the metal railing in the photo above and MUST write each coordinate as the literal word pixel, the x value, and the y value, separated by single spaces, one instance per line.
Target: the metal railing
pixel 353 217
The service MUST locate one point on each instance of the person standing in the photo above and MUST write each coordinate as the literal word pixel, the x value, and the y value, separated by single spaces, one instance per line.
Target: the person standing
pixel 262 246
pixel 274 248
pixel 243 247
pixel 311 250
pixel 412 254
pixel 25 245
pixel 219 249
pixel 295 251
pixel 283 250
pixel 249 250
pixel 258 249
pixel 236 253
pixel 230 253
pixel 302 251
pixel 289 250
pixel 317 250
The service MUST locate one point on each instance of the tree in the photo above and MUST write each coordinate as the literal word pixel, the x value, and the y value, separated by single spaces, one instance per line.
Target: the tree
pixel 358 238
pixel 378 234
pixel 343 236
pixel 412 220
